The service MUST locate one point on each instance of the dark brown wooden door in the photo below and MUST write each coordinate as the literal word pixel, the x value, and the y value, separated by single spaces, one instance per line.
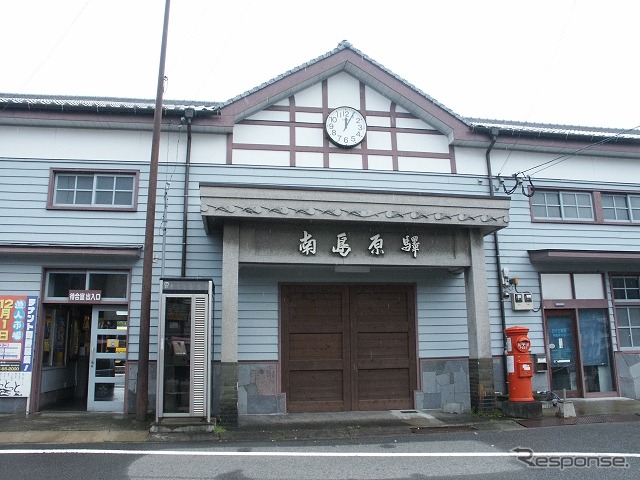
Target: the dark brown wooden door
pixel 348 347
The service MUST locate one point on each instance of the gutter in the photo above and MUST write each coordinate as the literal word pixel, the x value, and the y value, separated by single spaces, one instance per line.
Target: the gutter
pixel 189 113
pixel 496 245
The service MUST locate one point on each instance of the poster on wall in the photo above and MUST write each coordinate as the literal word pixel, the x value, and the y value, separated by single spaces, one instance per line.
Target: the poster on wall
pixel 18 316
pixel 561 345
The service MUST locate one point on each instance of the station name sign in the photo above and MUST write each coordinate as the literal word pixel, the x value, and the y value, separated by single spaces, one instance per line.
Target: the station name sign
pixel 308 245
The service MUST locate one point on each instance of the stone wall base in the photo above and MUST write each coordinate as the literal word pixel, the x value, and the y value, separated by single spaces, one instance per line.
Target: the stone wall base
pixel 130 404
pixel 444 381
pixel 628 373
pixel 481 387
pixel 226 391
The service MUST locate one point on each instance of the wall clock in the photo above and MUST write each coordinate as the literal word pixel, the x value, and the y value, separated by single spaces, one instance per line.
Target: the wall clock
pixel 345 127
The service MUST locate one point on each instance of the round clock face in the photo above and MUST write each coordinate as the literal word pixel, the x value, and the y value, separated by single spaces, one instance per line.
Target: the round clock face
pixel 346 127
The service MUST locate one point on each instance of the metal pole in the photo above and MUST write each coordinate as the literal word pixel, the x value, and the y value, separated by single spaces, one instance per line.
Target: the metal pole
pixel 142 399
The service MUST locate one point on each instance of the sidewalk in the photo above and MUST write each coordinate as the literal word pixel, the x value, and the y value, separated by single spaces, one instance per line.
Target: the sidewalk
pixel 51 427
pixel 64 428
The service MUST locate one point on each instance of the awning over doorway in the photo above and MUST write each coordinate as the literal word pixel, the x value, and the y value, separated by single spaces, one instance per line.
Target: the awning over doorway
pixel 589 259
pixel 220 202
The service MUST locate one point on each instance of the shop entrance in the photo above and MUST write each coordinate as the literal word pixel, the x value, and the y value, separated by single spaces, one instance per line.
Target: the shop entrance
pixel 350 347
pixel 83 340
pixel 83 358
pixel 580 352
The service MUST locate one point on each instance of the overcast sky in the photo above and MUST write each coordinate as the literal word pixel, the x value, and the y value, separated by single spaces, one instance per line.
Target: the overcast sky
pixel 552 61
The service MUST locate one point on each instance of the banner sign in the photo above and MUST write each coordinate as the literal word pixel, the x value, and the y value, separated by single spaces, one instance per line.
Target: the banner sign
pixel 18 317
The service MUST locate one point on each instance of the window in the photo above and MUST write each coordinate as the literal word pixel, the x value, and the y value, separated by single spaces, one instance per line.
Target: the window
pixel 557 205
pixel 626 288
pixel 628 326
pixel 621 207
pixel 113 285
pixel 73 189
pixel 626 297
pixel 546 205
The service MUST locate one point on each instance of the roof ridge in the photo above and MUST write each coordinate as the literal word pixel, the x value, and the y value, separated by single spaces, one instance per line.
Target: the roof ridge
pixel 345 45
pixel 523 126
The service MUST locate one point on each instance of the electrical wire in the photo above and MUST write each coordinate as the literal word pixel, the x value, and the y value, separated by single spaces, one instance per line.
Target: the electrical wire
pixel 57 43
pixel 550 60
pixel 520 178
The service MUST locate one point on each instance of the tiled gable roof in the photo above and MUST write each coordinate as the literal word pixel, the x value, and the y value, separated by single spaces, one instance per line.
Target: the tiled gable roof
pixel 100 105
pixel 343 45
pixel 177 108
pixel 515 128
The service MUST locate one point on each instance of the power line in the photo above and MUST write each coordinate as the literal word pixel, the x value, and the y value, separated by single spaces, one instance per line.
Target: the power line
pixel 521 180
pixel 57 44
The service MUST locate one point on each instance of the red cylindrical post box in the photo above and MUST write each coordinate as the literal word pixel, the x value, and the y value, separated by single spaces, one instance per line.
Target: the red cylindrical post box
pixel 519 364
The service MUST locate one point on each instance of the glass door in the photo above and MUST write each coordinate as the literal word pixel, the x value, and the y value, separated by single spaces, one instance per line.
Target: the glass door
pixel 595 348
pixel 561 338
pixel 107 359
pixel 580 352
pixel 177 368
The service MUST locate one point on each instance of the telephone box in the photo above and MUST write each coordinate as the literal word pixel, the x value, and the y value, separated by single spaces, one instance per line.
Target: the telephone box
pixel 184 348
pixel 519 364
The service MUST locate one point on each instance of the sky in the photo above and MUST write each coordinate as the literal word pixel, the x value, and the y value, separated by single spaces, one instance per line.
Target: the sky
pixel 567 62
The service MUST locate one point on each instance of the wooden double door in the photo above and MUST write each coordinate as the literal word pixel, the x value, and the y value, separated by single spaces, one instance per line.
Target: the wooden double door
pixel 348 347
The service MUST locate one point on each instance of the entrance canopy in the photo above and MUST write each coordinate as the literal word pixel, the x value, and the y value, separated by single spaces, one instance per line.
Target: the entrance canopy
pixel 221 202
pixel 584 260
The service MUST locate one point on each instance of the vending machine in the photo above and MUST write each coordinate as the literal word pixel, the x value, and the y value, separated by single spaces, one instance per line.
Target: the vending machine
pixel 184 348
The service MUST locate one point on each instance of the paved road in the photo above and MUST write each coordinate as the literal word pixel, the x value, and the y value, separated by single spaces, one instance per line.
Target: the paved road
pixel 578 449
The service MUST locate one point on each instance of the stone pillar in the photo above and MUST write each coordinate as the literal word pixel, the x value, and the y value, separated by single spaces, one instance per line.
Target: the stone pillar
pixel 229 393
pixel 229 347
pixel 481 386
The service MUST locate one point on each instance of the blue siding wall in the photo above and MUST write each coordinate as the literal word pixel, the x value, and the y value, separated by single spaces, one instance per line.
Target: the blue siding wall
pixel 440 295
pixel 522 235
pixel 19 277
pixel 24 216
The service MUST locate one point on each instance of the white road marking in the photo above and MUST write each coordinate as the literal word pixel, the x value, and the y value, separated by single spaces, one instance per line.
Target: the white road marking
pixel 186 453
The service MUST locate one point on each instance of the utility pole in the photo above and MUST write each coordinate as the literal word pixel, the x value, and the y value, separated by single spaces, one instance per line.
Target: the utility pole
pixel 142 389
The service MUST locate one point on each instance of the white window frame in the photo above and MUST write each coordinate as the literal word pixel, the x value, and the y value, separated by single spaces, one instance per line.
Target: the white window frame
pixel 631 207
pixel 623 305
pixel 563 205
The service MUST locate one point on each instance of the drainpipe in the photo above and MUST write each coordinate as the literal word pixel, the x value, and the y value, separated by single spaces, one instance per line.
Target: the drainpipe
pixel 496 245
pixel 189 113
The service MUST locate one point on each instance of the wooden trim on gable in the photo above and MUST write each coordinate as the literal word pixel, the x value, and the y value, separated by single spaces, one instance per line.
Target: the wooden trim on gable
pixel 292 130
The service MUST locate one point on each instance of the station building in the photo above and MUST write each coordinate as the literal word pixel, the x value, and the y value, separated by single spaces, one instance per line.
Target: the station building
pixel 365 247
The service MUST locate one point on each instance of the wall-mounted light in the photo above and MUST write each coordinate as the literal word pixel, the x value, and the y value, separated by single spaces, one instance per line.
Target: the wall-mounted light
pixel 351 269
pixel 189 113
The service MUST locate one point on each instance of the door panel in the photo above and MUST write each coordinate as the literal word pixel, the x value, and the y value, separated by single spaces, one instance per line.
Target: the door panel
pixel 107 359
pixel 562 349
pixel 383 344
pixel 595 346
pixel 314 353
pixel 348 347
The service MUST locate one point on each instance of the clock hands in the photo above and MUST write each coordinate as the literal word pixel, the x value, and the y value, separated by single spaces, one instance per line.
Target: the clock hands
pixel 347 120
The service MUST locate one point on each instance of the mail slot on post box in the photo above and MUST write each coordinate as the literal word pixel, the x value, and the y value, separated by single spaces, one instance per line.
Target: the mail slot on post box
pixel 519 364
